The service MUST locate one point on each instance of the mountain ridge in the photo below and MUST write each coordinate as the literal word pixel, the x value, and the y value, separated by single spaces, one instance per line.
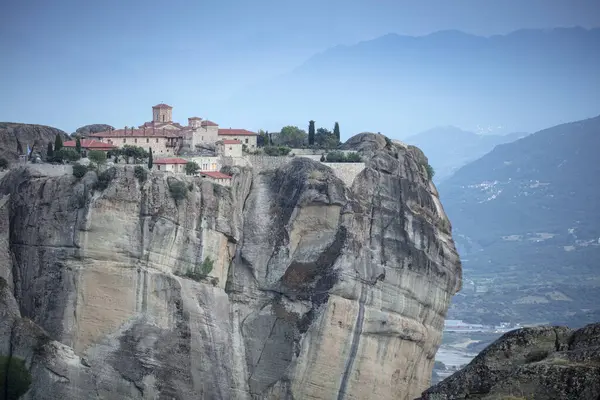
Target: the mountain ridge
pixel 524 81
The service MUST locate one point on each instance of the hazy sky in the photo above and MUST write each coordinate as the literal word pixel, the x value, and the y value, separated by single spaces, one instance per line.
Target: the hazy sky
pixel 67 63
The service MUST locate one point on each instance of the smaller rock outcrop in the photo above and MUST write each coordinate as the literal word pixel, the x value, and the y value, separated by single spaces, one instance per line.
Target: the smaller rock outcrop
pixel 92 128
pixel 14 139
pixel 544 363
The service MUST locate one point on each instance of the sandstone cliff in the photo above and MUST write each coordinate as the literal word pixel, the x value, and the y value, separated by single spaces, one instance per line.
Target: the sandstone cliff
pixel 15 136
pixel 544 363
pixel 318 290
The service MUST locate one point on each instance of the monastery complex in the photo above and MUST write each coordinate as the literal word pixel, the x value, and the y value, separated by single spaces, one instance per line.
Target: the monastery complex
pixel 167 138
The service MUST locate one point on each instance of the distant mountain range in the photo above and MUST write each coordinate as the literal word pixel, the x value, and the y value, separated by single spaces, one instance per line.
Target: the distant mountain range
pixel 399 85
pixel 526 219
pixel 449 148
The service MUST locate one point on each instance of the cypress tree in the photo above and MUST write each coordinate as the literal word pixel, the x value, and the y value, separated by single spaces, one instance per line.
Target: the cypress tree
pixel 311 132
pixel 49 151
pixel 150 160
pixel 336 131
pixel 58 143
pixel 78 145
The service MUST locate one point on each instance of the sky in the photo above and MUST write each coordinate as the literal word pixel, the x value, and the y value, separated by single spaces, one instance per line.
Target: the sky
pixel 68 63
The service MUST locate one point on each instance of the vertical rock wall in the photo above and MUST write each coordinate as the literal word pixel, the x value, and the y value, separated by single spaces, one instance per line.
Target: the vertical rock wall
pixel 318 290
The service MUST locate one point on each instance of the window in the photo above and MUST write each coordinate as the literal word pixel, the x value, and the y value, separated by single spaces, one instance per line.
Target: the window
pixel 158 166
pixel 156 140
pixel 163 118
pixel 202 138
pixel 134 140
pixel 246 140
pixel 147 140
pixel 124 140
pixel 230 148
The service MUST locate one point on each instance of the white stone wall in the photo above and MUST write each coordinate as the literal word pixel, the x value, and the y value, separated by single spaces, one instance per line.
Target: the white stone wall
pixel 249 141
pixel 178 168
pixel 157 144
pixel 207 163
pixel 346 171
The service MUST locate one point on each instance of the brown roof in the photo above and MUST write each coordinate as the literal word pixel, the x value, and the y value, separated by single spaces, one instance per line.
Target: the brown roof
pixel 230 141
pixel 89 144
pixel 236 132
pixel 209 123
pixel 129 132
pixel 194 118
pixel 174 160
pixel 215 174
pixel 162 105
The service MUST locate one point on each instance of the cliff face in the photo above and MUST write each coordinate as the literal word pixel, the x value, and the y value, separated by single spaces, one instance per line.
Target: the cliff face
pixel 544 363
pixel 317 290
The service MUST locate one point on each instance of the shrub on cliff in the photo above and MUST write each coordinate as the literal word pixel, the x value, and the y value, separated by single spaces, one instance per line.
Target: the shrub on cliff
pixel 191 168
pixel 140 173
pixel 340 157
pixel 3 163
pixel 277 150
pixel 178 190
pixel 64 154
pixel 79 171
pixel 15 375
pixel 105 178
pixel 201 271
pixel 430 171
pixel 97 156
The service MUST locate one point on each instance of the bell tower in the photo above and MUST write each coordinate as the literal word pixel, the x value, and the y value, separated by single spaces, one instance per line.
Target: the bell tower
pixel 162 113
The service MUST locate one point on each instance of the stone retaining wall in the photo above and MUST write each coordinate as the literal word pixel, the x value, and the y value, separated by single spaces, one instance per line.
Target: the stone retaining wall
pixel 346 171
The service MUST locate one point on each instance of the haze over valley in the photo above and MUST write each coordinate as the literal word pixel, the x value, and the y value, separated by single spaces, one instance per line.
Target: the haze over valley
pixel 305 200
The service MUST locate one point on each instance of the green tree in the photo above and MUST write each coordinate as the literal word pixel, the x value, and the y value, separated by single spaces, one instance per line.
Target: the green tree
pixel 49 151
pixel 65 155
pixel 135 152
pixel 140 173
pixel 311 132
pixel 277 150
pixel 58 142
pixel 178 190
pixel 336 131
pixel 150 159
pixel 191 168
pixel 79 170
pixel 291 136
pixel 78 145
pixel 430 171
pixel 325 139
pixel 97 156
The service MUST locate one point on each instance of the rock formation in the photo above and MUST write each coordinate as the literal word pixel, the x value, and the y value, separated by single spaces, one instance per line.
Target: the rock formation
pixel 14 138
pixel 303 287
pixel 92 128
pixel 543 363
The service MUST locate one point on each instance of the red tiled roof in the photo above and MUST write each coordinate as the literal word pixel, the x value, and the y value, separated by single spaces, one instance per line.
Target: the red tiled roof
pixel 194 118
pixel 148 132
pixel 209 123
pixel 89 144
pixel 162 105
pixel 231 141
pixel 236 132
pixel 174 160
pixel 215 174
